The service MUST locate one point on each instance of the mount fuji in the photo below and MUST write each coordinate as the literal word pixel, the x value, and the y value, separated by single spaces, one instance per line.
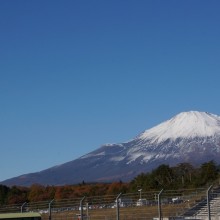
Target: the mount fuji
pixel 192 137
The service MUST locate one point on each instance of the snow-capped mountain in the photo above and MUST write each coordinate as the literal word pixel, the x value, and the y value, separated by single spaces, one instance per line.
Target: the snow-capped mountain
pixel 185 125
pixel 192 137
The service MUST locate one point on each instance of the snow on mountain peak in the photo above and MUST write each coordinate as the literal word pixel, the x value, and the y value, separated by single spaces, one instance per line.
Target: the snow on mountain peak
pixel 184 125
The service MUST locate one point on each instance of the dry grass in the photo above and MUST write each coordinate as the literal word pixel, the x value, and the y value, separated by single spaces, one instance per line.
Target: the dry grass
pixel 126 213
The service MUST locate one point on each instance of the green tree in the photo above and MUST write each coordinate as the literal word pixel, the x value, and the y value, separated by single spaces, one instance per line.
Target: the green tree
pixel 183 175
pixel 209 172
pixel 3 194
pixel 163 177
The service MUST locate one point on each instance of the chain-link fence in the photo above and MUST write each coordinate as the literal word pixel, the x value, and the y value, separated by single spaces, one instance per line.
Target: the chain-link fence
pixel 157 205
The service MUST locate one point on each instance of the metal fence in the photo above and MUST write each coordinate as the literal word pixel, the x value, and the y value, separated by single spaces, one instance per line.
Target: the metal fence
pixel 157 205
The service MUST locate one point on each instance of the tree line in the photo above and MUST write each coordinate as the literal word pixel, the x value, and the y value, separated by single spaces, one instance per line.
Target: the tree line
pixel 181 176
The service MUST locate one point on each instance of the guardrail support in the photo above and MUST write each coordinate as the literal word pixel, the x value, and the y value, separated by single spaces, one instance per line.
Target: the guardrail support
pixel 81 208
pixel 208 202
pixel 50 203
pixel 23 206
pixel 159 205
pixel 117 207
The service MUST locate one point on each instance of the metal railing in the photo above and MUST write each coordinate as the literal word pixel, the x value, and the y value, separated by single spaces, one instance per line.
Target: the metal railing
pixel 157 205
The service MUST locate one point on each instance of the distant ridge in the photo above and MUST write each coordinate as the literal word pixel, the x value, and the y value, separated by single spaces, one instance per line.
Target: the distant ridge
pixel 192 137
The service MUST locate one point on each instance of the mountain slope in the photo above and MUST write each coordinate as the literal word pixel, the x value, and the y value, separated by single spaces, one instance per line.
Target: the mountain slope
pixel 192 137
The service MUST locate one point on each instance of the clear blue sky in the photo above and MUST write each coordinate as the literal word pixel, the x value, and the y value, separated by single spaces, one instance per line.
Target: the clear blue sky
pixel 78 74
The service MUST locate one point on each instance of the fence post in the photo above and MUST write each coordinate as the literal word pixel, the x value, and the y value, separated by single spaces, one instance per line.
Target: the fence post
pixel 159 204
pixel 23 206
pixel 117 207
pixel 81 208
pixel 87 210
pixel 50 203
pixel 208 202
